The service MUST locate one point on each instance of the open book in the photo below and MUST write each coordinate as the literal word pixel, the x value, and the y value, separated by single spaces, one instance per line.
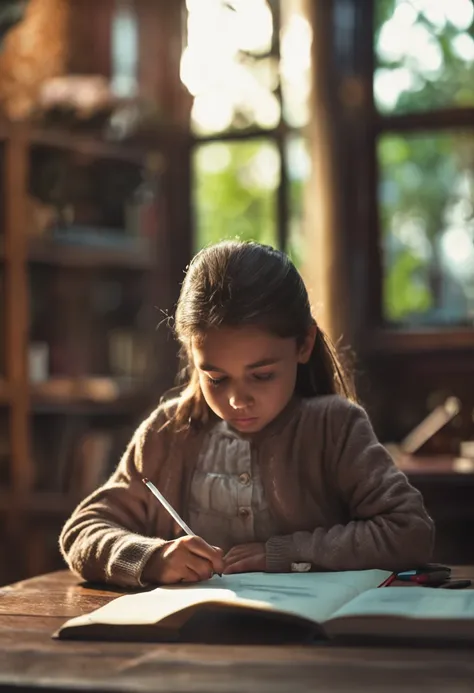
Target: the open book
pixel 324 605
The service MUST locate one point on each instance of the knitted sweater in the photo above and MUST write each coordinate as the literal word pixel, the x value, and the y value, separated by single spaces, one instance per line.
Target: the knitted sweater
pixel 337 499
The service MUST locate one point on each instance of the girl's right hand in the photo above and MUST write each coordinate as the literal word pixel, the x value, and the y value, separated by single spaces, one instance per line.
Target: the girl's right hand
pixel 187 559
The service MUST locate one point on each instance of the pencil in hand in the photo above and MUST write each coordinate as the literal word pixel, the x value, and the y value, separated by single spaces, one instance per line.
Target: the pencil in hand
pixel 186 529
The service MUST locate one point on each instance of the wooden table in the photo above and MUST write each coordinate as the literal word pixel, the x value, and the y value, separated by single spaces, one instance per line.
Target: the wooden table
pixel 31 661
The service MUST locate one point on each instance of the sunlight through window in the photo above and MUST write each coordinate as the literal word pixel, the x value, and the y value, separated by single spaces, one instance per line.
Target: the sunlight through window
pixel 424 54
pixel 247 64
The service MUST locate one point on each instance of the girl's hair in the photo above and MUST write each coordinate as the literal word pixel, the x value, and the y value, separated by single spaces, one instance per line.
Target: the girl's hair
pixel 237 284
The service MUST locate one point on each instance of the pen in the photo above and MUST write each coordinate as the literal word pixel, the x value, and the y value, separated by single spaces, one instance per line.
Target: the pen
pixel 187 530
pixel 430 578
pixel 430 568
pixel 169 508
pixel 391 578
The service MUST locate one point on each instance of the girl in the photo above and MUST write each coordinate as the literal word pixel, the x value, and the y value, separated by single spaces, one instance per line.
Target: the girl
pixel 264 452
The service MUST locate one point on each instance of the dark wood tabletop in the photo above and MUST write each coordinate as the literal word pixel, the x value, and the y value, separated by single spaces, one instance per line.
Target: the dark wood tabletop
pixel 30 660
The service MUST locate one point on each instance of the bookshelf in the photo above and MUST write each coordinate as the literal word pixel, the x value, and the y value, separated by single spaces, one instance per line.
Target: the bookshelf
pixel 84 263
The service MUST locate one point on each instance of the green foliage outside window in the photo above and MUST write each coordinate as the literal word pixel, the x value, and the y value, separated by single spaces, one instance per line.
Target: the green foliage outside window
pixel 426 178
pixel 235 191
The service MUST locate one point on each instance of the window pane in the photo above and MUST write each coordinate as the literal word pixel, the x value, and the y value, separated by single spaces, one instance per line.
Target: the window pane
pixel 235 187
pixel 299 168
pixel 425 54
pixel 226 65
pixel 427 217
pixel 124 49
pixel 295 50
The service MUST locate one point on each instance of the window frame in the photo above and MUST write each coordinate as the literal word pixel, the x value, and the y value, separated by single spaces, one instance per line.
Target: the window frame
pixel 355 62
pixel 278 135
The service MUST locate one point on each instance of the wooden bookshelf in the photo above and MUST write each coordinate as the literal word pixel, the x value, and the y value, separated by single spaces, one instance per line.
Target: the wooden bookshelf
pixel 71 297
pixel 73 308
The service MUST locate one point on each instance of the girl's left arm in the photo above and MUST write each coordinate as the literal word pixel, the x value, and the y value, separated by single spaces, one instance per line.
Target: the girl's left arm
pixel 389 526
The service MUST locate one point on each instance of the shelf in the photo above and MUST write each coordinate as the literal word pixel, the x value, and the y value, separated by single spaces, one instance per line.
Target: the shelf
pixel 64 265
pixel 62 255
pixel 88 145
pixel 87 396
pixel 121 407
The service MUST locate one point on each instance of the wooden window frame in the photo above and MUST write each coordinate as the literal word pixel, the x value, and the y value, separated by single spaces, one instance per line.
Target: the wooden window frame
pixel 361 126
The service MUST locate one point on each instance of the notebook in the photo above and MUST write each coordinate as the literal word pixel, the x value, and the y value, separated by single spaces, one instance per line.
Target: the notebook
pixel 326 605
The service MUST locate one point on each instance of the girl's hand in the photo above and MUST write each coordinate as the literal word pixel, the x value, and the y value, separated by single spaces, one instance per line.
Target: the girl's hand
pixel 245 558
pixel 187 559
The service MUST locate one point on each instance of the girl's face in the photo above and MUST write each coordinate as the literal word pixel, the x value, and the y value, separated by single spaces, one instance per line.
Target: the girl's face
pixel 247 375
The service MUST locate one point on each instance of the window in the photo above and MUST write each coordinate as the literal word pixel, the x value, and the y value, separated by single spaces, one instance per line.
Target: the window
pixel 424 95
pixel 247 65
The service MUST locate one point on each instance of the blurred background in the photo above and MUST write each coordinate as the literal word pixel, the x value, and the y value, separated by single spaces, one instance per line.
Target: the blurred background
pixel 134 132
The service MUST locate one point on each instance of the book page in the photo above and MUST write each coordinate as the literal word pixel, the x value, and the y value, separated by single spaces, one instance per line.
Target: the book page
pixel 313 596
pixel 411 602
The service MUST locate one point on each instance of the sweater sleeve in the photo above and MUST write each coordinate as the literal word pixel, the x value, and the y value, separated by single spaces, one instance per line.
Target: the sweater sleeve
pixel 388 526
pixel 106 539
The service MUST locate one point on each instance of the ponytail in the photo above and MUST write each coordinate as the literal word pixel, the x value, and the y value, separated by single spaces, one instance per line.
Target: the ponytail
pixel 324 373
pixel 190 408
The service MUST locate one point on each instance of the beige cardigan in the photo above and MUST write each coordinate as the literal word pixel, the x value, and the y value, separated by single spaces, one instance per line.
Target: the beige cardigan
pixel 337 498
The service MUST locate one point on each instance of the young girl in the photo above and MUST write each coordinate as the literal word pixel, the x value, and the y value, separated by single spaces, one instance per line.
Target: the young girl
pixel 264 453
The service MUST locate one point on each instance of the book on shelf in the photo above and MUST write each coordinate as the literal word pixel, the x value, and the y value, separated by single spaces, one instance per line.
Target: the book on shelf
pixel 73 457
pixel 93 457
pixel 92 461
pixel 324 605
pixel 130 354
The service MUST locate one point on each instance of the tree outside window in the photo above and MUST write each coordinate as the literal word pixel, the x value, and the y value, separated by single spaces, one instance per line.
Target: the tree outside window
pixel 424 94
